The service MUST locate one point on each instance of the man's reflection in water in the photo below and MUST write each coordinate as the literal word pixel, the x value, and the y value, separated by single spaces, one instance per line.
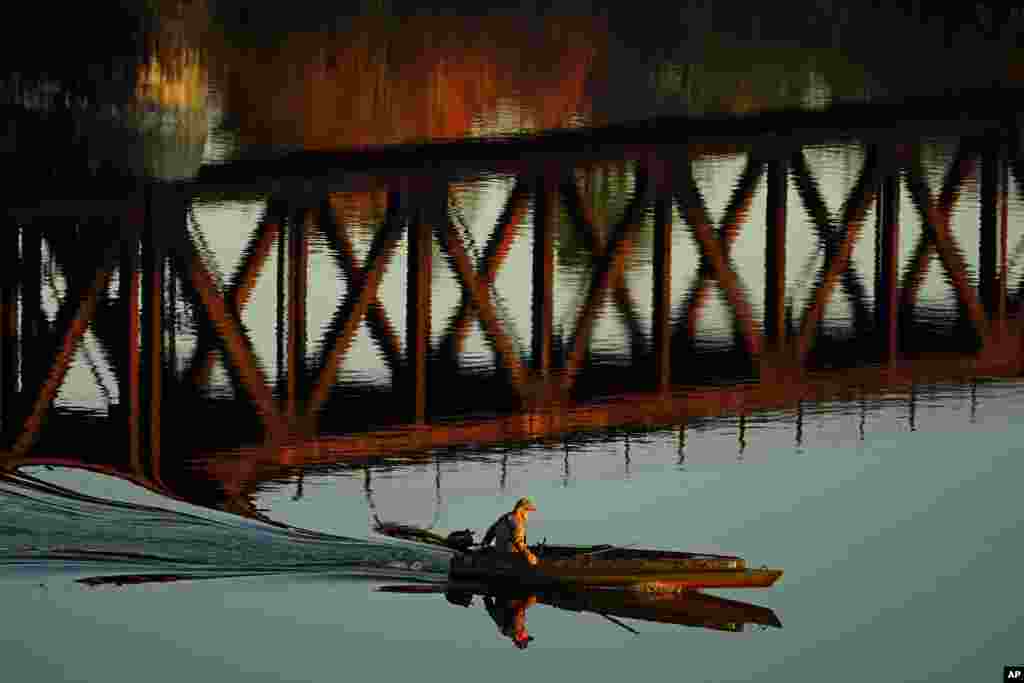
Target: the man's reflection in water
pixel 510 616
pixel 508 613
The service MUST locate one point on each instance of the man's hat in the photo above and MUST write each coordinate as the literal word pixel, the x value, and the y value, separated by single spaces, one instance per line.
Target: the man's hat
pixel 524 503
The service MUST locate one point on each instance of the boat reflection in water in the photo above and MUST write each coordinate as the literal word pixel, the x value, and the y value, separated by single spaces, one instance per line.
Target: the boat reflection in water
pixel 647 585
pixel 685 608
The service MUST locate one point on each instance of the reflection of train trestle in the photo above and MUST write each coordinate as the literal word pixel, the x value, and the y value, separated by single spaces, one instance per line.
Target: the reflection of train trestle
pixel 543 387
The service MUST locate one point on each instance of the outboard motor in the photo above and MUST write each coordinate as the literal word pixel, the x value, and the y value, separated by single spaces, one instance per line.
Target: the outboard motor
pixel 460 540
pixel 460 598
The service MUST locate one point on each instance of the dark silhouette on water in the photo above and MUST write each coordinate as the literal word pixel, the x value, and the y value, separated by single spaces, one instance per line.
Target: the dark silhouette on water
pixel 688 608
pixel 509 614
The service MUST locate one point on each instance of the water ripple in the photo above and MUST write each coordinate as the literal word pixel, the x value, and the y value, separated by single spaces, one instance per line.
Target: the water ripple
pixel 49 528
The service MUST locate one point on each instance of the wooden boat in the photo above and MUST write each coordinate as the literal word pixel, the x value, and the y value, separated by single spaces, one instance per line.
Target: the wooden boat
pixel 595 566
pixel 586 567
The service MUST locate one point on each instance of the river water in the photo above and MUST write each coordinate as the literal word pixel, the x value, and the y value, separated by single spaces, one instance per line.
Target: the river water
pixel 890 504
pixel 900 549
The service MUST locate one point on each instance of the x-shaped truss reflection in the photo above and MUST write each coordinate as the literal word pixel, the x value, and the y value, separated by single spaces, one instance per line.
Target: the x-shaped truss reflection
pixel 87 301
pixel 608 271
pixel 714 243
pixel 733 219
pixel 488 265
pixel 244 281
pixel 73 319
pixel 490 262
pixel 65 249
pixel 381 328
pixel 714 251
pixel 583 217
pixel 228 328
pixel 829 234
pixel 362 292
pixel 475 285
pixel 937 236
pixel 838 252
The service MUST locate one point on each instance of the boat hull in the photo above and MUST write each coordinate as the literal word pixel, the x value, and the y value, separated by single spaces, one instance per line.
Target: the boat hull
pixel 683 572
pixel 744 578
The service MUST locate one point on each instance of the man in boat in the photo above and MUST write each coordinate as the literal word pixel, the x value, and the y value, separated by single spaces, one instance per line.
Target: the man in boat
pixel 509 531
pixel 510 616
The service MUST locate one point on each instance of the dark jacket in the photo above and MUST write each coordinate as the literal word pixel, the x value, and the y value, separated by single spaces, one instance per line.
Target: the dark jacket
pixel 509 535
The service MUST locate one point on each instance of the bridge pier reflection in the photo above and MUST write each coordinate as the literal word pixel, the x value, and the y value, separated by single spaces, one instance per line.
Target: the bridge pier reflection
pixel 775 257
pixel 130 377
pixel 417 302
pixel 543 295
pixel 31 277
pixel 9 356
pixel 154 231
pixel 298 276
pixel 662 285
pixel 887 311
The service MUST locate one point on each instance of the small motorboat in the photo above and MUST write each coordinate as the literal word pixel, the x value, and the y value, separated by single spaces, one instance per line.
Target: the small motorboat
pixel 589 567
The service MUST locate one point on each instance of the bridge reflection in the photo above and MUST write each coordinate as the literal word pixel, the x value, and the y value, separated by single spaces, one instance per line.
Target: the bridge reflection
pixel 123 269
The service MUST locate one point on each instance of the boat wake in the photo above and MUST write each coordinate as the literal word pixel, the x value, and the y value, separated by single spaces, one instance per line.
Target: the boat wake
pixel 47 530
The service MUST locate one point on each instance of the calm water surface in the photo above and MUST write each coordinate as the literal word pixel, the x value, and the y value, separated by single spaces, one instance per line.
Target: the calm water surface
pixel 885 486
pixel 900 550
